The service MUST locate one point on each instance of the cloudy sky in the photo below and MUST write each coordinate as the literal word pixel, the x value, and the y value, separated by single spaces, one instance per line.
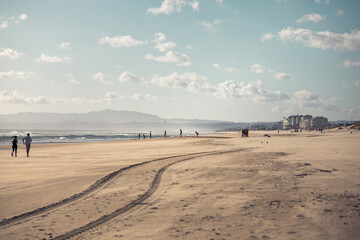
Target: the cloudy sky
pixel 248 60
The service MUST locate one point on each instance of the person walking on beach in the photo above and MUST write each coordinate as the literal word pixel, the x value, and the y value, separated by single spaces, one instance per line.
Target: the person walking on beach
pixel 27 140
pixel 197 134
pixel 139 136
pixel 144 136
pixel 14 145
pixel 150 134
pixel 164 133
pixel 180 133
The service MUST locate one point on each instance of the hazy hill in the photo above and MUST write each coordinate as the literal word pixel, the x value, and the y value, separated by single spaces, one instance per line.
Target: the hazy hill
pixel 106 119
pixel 105 116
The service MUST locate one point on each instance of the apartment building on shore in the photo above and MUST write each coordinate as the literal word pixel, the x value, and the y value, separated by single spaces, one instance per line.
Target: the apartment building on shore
pixel 304 122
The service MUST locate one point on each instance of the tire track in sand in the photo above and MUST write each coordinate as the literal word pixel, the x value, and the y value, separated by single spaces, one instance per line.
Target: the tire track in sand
pixel 153 187
pixel 97 185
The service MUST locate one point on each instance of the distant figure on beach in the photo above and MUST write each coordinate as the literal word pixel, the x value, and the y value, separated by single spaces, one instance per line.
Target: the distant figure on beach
pixel 180 133
pixel 139 136
pixel 197 134
pixel 150 134
pixel 144 136
pixel 27 141
pixel 14 145
pixel 164 133
pixel 245 133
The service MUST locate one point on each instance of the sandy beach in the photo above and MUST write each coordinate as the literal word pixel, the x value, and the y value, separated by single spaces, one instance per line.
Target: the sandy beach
pixel 288 186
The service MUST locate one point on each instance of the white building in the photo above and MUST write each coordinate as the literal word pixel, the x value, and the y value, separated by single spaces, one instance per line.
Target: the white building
pixel 319 122
pixel 305 124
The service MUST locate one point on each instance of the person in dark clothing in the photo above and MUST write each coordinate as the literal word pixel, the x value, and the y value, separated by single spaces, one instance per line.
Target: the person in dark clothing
pixel 14 145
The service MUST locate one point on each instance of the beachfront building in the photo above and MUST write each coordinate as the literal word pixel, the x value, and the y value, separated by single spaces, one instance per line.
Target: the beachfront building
pixel 319 122
pixel 292 121
pixel 285 124
pixel 304 122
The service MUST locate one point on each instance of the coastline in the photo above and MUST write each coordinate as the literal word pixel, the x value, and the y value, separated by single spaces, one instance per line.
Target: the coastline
pixel 41 136
pixel 303 185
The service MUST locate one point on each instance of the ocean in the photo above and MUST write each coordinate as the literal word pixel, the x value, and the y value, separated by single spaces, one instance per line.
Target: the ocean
pixel 81 136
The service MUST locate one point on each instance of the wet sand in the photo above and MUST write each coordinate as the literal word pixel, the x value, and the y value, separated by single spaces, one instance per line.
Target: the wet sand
pixel 289 186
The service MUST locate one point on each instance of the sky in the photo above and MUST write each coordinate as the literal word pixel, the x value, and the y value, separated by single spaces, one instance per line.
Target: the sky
pixel 233 60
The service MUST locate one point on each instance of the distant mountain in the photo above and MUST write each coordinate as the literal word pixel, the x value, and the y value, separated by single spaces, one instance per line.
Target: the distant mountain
pixel 106 119
pixel 105 116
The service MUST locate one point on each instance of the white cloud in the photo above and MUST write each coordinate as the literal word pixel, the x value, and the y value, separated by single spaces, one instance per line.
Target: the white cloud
pixel 177 80
pixel 110 97
pixel 253 91
pixel 12 74
pixel 129 77
pixel 339 12
pixel 226 69
pixel 171 57
pixel 16 97
pixel 72 79
pixel 121 41
pixel 217 66
pixel 322 1
pixel 323 40
pixel 282 76
pixel 23 17
pixel 4 24
pixel 146 97
pixel 160 43
pixel 48 59
pixel 193 82
pixel 12 20
pixel 185 64
pixel 10 53
pixel 348 64
pixel 194 5
pixel 167 7
pixel 211 26
pixel 305 98
pixel 267 37
pixel 257 68
pixel 312 17
pixel 219 1
pixel 65 45
pixel 101 77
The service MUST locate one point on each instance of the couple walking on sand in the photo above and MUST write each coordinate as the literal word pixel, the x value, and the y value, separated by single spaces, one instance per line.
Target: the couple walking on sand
pixel 26 140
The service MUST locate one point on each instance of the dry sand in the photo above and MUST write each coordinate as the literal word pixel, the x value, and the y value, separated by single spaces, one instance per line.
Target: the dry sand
pixel 289 186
